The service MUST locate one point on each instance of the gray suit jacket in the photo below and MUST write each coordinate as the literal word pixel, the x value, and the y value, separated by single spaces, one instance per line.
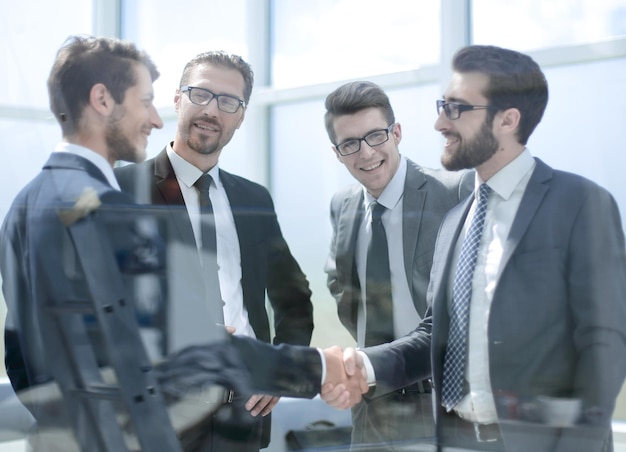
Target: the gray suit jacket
pixel 428 195
pixel 557 324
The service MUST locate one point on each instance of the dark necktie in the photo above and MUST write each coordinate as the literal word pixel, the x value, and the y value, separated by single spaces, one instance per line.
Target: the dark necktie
pixel 456 352
pixel 209 246
pixel 379 306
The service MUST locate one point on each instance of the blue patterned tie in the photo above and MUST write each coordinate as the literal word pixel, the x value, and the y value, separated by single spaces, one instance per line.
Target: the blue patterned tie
pixel 454 363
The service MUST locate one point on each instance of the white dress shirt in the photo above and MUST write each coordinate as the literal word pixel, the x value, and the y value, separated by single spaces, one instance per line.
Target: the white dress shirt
pixel 405 316
pixel 228 252
pixel 508 186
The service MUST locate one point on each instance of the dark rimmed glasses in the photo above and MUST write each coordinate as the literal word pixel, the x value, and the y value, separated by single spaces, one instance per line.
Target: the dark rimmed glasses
pixel 202 96
pixel 374 138
pixel 453 110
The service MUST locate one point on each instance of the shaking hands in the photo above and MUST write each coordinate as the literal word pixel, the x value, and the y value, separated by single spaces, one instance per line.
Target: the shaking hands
pixel 346 378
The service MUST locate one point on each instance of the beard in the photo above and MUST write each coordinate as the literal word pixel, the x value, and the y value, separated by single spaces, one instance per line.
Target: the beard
pixel 118 144
pixel 471 153
pixel 202 144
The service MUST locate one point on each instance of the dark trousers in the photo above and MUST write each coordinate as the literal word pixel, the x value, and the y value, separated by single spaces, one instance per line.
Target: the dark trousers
pixel 393 421
pixel 231 429
pixel 456 432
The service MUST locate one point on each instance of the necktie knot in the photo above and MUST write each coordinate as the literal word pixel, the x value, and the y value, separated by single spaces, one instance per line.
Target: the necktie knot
pixel 483 193
pixel 203 183
pixel 377 212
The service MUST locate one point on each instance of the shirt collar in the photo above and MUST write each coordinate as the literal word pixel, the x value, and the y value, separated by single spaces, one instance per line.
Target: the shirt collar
pixel 187 173
pixel 509 177
pixel 101 163
pixel 392 193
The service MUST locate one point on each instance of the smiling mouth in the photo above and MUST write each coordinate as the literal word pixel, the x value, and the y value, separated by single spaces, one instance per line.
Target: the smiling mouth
pixel 373 167
pixel 206 127
pixel 450 139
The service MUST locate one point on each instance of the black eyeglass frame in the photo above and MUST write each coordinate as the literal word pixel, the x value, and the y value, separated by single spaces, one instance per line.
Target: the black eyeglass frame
pixel 188 89
pixel 387 132
pixel 460 108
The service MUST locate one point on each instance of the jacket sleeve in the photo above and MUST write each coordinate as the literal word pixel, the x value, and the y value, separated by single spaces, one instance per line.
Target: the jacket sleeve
pixel 283 370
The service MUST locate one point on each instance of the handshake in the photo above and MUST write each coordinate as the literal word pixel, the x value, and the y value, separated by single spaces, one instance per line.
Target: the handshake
pixel 346 378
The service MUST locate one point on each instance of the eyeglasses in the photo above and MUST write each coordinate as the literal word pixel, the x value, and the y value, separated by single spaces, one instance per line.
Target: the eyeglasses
pixel 202 96
pixel 374 138
pixel 454 109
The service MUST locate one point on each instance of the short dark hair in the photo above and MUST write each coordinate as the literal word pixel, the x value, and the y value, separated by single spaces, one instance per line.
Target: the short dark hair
pixel 515 81
pixel 352 98
pixel 84 61
pixel 223 59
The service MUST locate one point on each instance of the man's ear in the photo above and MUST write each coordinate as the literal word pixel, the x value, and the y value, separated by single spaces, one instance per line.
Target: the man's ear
pixel 508 120
pixel 101 100
pixel 177 100
pixel 397 133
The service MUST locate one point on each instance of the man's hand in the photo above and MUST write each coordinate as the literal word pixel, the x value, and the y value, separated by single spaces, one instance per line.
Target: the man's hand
pixel 261 404
pixel 343 386
pixel 353 362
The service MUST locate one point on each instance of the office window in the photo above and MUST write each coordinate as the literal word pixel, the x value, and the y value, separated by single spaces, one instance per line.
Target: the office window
pixel 174 32
pixel 535 24
pixel 578 132
pixel 30 42
pixel 326 40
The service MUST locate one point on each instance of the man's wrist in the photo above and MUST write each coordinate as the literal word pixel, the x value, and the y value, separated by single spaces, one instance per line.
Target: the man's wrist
pixel 369 369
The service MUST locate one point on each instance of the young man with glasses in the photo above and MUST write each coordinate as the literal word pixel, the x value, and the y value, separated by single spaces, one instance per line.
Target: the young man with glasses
pixel 252 255
pixel 525 336
pixel 362 127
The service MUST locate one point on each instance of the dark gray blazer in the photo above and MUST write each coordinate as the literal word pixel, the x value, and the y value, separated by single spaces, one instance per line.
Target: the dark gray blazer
pixel 557 324
pixel 266 261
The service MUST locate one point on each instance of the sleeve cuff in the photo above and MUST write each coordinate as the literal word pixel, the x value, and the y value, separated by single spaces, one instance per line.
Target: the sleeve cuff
pixel 369 369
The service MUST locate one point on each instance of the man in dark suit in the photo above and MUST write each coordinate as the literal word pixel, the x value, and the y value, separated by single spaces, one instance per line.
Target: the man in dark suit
pixel 252 255
pixel 416 200
pixel 101 94
pixel 546 285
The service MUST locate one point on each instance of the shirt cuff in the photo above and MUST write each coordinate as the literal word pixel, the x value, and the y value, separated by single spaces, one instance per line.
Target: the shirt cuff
pixel 369 369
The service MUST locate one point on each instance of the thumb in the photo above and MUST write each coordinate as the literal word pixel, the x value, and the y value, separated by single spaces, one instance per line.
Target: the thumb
pixel 349 361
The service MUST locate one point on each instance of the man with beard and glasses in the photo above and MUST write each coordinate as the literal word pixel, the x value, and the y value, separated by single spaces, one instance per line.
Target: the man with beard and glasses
pixel 253 258
pixel 526 330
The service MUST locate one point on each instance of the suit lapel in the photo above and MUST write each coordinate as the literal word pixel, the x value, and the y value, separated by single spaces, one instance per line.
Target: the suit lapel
pixel 244 224
pixel 533 196
pixel 413 201
pixel 440 272
pixel 442 260
pixel 167 192
pixel 351 216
